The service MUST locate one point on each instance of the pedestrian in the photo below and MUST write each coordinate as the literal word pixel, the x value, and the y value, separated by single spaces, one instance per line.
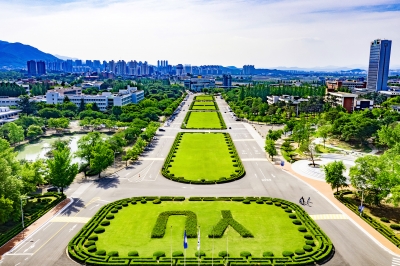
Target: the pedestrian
pixel 301 201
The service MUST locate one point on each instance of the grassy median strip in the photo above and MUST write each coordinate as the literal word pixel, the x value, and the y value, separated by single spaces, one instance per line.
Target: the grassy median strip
pixel 202 105
pixel 203 120
pixel 204 98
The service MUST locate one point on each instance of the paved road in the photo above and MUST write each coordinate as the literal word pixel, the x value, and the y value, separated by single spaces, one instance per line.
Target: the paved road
pixel 48 245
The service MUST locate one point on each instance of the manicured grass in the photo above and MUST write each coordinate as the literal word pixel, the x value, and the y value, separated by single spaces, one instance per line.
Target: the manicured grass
pixel 202 156
pixel 204 120
pixel 131 229
pixel 203 103
pixel 204 98
pixel 203 107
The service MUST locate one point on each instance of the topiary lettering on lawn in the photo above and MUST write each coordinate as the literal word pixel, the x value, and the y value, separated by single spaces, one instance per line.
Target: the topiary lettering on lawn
pixel 227 219
pixel 161 223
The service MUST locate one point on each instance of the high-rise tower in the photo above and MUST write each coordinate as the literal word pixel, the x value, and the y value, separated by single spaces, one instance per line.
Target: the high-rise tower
pixel 378 68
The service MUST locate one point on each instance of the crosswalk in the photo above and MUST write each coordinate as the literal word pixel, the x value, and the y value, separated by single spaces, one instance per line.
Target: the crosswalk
pixel 328 217
pixel 396 261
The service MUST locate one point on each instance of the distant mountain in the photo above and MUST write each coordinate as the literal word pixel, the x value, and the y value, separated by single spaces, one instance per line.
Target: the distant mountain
pixel 65 57
pixel 15 55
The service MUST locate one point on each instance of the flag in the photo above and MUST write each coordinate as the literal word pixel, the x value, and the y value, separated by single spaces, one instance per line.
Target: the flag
pixel 198 240
pixel 185 244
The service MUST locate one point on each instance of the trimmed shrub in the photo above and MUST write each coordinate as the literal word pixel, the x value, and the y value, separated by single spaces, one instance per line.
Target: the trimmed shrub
pixel 227 219
pixel 118 207
pixel 245 254
pixel 302 229
pixel 308 236
pixel 310 242
pixel 112 254
pixel 288 210
pixel 105 223
pixel 92 248
pixel 143 201
pixel 133 253
pixel 99 230
pixel 200 254
pixel 259 201
pixel 237 199
pixel 287 253
pixel 246 201
pixel 161 223
pixel 299 252
pixel 88 243
pixel 222 254
pixel 177 254
pixel 284 206
pixel 101 252
pixel 114 210
pixel 296 222
pixel 125 204
pixel 110 216
pixel 277 204
pixel 156 201
pixel 179 198
pixel 269 202
pixel 292 216
pixel 93 237
pixel 159 254
pixel 133 202
pixel 385 220
pixel 268 254
pixel 307 248
pixel 395 226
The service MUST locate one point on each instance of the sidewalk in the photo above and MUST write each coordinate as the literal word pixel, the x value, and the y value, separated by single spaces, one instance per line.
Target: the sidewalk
pixel 32 228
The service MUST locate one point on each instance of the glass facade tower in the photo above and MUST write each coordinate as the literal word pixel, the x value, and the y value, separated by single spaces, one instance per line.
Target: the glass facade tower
pixel 378 68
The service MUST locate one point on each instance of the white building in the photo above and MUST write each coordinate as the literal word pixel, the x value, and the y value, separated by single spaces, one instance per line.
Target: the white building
pixel 198 84
pixel 8 101
pixel 7 115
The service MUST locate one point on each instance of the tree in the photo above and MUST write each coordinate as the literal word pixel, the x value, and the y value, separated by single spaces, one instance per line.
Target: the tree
pixel 95 107
pixel 86 145
pixel 395 196
pixel 34 131
pixel 26 105
pixel 82 106
pixel 15 133
pixel 308 148
pixel 324 131
pixel 61 173
pixel 32 175
pixel 102 157
pixel 50 113
pixel 270 148
pixel 334 175
pixel 389 135
pixel 66 99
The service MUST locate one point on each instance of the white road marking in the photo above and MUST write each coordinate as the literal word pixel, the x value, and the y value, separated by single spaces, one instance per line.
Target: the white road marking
pixel 273 175
pixel 17 254
pixel 396 261
pixel 264 179
pixel 64 219
pixel 80 190
pixel 94 206
pixel 334 216
pixel 73 227
pixel 44 228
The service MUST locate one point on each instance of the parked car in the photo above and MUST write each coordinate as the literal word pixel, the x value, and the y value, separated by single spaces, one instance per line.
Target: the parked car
pixel 230 128
pixel 161 129
pixel 52 189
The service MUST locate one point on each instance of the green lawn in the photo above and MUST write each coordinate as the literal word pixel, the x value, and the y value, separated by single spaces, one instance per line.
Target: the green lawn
pixel 203 103
pixel 131 229
pixel 203 107
pixel 204 120
pixel 204 98
pixel 202 156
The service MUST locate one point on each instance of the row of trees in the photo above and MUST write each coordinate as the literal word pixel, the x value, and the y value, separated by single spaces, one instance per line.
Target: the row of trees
pixel 11 89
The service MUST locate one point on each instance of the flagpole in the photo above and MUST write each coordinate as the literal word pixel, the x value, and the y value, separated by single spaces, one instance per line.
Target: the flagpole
pixel 171 245
pixel 212 254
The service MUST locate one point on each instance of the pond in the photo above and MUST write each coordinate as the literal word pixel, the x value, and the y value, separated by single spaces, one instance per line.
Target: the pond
pixel 38 149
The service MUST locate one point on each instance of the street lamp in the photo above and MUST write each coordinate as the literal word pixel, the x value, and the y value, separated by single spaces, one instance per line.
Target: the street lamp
pixel 22 215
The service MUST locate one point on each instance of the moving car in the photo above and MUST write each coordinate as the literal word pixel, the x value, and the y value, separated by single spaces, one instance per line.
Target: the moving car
pixel 161 129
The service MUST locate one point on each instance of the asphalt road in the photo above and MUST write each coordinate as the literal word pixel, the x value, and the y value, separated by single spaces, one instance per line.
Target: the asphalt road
pixel 143 178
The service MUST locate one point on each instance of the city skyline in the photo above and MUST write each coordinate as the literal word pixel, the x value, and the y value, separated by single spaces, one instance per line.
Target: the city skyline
pixel 267 34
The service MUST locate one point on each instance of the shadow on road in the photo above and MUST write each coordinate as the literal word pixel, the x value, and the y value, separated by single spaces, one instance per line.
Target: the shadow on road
pixel 107 182
pixel 74 208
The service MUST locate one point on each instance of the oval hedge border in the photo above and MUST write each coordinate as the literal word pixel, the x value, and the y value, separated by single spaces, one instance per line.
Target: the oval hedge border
pixel 187 117
pixel 318 252
pixel 165 171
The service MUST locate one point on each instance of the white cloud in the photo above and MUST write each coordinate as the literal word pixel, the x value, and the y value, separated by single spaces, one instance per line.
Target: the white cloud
pixel 264 33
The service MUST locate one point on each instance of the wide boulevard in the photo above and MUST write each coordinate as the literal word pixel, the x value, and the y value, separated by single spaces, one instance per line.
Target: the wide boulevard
pixel 47 246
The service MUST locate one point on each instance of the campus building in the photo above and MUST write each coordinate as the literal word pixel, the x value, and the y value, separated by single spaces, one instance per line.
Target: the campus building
pixel 104 100
pixel 199 83
pixel 333 85
pixel 378 68
pixel 350 101
pixel 8 101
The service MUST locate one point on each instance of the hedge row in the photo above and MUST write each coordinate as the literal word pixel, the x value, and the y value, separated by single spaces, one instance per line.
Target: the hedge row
pixel 4 238
pixel 221 120
pixel 193 104
pixel 198 98
pixel 317 249
pixel 384 230
pixel 227 219
pixel 233 153
pixel 161 223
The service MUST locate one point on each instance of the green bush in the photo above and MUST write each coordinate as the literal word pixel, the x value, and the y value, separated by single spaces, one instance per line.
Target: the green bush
pixel 302 229
pixel 105 223
pixel 237 199
pixel 93 237
pixel 200 254
pixel 179 198
pixel 287 253
pixel 99 230
pixel 268 254
pixel 156 201
pixel 227 219
pixel 269 202
pixel 133 202
pixel 299 252
pixel 245 254
pixel 288 210
pixel 385 220
pixel 159 254
pixel 395 226
pixel 133 253
pixel 125 204
pixel 223 254
pixel 101 252
pixel 308 236
pixel 161 223
pixel 246 201
pixel 88 243
pixel 143 201
pixel 277 204
pixel 259 201
pixel 297 222
pixel 110 216
pixel 307 248
pixel 118 207
pixel 114 210
pixel 92 248
pixel 112 254
pixel 177 254
pixel 310 242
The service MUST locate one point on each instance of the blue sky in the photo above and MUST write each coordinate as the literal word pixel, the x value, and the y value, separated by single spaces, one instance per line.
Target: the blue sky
pixel 266 33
